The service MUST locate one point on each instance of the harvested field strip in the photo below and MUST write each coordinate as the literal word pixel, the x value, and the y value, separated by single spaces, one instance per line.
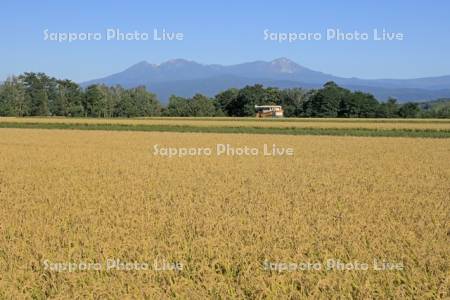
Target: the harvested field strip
pixel 369 132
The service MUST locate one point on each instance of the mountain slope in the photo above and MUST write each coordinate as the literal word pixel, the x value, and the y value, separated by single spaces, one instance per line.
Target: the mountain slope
pixel 185 78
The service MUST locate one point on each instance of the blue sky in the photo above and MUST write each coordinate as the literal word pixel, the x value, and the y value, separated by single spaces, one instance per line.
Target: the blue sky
pixel 226 32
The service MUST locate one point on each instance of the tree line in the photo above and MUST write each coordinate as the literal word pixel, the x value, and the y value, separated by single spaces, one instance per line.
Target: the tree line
pixel 36 94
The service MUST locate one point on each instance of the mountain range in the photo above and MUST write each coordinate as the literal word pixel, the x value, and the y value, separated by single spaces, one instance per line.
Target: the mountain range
pixel 185 78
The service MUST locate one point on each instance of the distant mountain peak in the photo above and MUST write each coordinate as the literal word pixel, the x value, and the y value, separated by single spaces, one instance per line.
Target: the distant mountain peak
pixel 141 65
pixel 283 60
pixel 178 62
pixel 285 65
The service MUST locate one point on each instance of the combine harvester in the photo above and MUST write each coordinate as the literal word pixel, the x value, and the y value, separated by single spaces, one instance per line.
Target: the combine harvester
pixel 269 111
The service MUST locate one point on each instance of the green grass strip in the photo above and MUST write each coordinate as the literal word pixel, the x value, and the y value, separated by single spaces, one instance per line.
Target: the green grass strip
pixel 269 120
pixel 368 132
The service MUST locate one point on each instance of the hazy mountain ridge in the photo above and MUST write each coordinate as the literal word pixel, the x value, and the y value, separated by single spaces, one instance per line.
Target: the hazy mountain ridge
pixel 185 78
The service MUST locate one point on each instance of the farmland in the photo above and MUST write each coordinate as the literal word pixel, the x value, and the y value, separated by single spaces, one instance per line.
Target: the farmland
pixel 434 128
pixel 232 222
pixel 436 124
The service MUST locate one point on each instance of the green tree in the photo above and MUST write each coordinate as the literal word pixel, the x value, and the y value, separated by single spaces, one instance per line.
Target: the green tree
pixel 409 110
pixel 40 103
pixel 74 96
pixel 388 109
pixel 224 101
pixel 358 105
pixel 146 103
pixel 61 104
pixel 12 98
pixel 198 106
pixel 326 102
pixel 124 106
pixel 38 88
pixel 293 101
pixel 178 107
pixel 202 106
pixel 391 108
pixel 94 101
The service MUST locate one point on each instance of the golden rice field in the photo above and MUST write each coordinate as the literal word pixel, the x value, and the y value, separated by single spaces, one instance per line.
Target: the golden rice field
pixel 434 124
pixel 92 196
